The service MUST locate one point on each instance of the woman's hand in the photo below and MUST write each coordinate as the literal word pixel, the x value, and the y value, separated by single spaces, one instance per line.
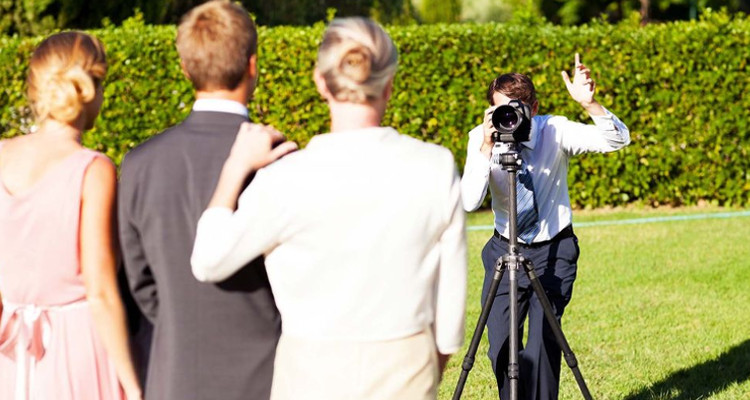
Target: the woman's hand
pixel 255 147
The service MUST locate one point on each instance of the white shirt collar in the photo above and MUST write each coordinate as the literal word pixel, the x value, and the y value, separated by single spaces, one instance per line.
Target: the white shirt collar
pixel 533 135
pixel 220 105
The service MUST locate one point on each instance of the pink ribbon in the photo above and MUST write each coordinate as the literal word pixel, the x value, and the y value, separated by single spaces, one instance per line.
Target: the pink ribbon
pixel 24 339
pixel 26 326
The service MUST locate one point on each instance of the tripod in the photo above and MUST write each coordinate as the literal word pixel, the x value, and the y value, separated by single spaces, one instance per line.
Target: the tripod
pixel 510 160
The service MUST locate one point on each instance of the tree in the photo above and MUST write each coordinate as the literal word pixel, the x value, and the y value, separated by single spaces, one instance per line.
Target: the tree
pixel 433 11
pixel 40 17
pixel 645 14
pixel 571 12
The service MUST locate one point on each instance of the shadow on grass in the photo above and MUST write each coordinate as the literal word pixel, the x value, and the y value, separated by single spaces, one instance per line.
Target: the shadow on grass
pixel 702 380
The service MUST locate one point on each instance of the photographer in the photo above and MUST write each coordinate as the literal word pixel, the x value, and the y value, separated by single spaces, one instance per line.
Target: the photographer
pixel 545 232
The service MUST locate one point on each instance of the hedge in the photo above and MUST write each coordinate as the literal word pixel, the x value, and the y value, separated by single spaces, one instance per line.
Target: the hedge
pixel 680 87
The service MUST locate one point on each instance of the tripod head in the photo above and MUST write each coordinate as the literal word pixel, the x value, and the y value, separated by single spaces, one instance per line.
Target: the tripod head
pixel 507 155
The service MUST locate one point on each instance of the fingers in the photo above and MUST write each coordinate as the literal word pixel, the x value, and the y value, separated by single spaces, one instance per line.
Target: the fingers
pixel 275 136
pixel 488 116
pixel 581 75
pixel 584 75
pixel 489 129
pixel 259 134
pixel 566 78
pixel 281 150
pixel 579 67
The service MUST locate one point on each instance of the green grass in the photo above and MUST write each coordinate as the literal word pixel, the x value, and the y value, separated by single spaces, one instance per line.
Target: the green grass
pixel 660 310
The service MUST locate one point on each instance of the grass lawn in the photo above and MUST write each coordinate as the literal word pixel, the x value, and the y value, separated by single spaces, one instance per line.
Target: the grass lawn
pixel 660 310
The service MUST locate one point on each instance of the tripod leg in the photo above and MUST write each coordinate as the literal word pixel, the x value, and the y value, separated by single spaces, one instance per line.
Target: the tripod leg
pixel 570 358
pixel 471 353
pixel 513 339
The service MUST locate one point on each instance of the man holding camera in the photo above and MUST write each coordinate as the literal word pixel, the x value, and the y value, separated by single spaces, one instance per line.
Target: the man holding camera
pixel 544 230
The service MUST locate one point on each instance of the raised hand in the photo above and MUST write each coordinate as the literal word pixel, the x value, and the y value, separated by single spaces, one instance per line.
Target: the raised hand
pixel 582 87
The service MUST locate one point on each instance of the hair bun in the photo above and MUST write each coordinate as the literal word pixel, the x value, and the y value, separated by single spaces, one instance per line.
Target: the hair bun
pixel 65 92
pixel 356 64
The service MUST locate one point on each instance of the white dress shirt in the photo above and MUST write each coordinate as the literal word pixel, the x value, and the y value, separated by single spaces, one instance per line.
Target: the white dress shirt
pixel 220 105
pixel 553 140
pixel 364 238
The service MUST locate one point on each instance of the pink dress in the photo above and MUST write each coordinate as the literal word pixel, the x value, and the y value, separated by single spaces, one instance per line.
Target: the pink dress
pixel 49 348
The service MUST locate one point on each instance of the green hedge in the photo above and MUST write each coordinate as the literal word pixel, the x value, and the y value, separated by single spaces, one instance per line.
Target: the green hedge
pixel 680 87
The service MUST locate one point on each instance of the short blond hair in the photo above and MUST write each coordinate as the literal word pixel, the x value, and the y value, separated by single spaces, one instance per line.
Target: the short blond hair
pixel 215 41
pixel 64 73
pixel 356 59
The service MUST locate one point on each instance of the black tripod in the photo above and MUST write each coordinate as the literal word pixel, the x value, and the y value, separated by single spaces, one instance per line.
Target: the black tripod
pixel 510 159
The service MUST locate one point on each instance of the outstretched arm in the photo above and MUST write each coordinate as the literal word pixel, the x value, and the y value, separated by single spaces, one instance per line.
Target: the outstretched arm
pixel 226 239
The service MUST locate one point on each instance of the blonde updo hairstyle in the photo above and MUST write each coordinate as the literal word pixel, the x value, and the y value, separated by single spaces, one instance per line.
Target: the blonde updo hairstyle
pixel 64 74
pixel 356 59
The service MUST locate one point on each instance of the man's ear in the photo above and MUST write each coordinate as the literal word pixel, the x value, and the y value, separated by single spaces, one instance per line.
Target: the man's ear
pixel 252 73
pixel 535 108
pixel 320 83
pixel 252 67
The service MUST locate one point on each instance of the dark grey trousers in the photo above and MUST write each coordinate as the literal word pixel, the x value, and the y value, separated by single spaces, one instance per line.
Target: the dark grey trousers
pixel 539 358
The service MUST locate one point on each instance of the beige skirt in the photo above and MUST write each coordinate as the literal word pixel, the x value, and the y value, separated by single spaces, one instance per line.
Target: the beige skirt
pixel 329 370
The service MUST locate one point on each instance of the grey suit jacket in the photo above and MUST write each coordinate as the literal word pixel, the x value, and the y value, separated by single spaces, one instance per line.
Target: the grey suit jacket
pixel 210 341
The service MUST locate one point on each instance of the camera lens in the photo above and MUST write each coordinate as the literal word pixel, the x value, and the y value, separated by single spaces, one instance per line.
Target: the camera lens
pixel 512 122
pixel 505 117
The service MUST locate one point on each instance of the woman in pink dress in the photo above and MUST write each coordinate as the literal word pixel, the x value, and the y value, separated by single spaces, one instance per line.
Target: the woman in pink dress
pixel 62 323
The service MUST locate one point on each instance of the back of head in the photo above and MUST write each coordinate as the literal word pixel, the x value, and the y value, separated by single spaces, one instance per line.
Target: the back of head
pixel 515 86
pixel 215 41
pixel 64 73
pixel 356 59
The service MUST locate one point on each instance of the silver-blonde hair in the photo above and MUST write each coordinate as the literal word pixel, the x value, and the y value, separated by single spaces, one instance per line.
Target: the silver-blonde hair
pixel 356 59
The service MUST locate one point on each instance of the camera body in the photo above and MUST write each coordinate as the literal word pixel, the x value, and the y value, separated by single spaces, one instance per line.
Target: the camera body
pixel 512 122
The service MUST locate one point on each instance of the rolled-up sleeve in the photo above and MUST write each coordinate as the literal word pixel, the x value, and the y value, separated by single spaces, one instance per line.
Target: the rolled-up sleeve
pixel 476 175
pixel 607 134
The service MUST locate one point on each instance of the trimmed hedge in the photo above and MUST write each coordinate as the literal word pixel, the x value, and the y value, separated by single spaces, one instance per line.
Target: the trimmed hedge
pixel 680 87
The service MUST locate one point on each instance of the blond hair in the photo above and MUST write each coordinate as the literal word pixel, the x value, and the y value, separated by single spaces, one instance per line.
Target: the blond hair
pixel 64 74
pixel 356 59
pixel 215 41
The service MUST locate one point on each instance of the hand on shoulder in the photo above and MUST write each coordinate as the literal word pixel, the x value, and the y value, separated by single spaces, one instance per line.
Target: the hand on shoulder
pixel 256 146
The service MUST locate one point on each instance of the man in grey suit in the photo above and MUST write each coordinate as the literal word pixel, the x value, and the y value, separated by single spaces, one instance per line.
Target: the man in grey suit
pixel 210 341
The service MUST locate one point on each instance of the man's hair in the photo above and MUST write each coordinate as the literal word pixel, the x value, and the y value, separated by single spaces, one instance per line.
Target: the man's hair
pixel 215 41
pixel 515 86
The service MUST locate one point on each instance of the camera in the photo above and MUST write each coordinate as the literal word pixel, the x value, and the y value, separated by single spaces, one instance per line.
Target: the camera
pixel 512 121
